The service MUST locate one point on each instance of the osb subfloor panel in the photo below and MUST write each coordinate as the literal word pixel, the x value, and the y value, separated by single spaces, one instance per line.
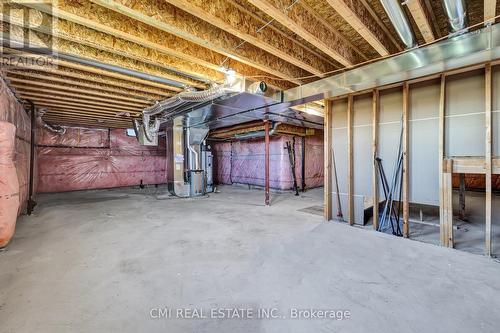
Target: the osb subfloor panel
pixel 99 261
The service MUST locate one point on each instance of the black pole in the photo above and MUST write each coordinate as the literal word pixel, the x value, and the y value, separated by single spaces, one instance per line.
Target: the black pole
pixel 303 171
pixel 31 199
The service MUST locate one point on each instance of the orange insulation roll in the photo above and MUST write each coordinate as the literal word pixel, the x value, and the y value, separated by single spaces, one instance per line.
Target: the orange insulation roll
pixel 9 184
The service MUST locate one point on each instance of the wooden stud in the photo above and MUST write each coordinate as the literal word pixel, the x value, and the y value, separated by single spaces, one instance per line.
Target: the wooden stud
pixel 406 161
pixel 461 199
pixel 442 113
pixel 375 175
pixel 328 146
pixel 448 201
pixel 488 156
pixel 350 157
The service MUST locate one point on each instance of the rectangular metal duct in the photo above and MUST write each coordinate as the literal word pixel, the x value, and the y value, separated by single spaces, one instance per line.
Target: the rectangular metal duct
pixel 465 50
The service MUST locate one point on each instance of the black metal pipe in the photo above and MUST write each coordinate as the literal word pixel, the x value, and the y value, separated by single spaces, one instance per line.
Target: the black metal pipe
pixel 31 190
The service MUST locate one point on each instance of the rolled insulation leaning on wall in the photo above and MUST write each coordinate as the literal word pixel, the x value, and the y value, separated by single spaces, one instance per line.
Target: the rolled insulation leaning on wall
pixel 9 184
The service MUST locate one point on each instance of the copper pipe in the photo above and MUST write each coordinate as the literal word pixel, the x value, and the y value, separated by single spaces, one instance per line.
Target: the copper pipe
pixel 266 129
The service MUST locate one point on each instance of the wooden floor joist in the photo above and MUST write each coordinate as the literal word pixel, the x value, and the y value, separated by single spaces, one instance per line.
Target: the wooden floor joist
pixel 84 83
pixel 490 7
pixel 301 21
pixel 95 53
pixel 77 91
pixel 117 25
pixel 40 101
pixel 68 74
pixel 225 15
pixel 63 97
pixel 184 25
pixel 74 32
pixel 418 12
pixel 355 14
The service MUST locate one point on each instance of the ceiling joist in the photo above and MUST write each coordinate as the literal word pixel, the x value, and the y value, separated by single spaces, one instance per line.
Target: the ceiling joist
pixel 116 25
pixel 356 14
pixel 418 12
pixel 225 15
pixel 171 19
pixel 490 7
pixel 79 91
pixel 32 75
pixel 301 21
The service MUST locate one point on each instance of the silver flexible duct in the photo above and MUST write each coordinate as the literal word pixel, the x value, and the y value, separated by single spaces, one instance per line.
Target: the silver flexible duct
pixel 399 21
pixel 51 128
pixel 457 15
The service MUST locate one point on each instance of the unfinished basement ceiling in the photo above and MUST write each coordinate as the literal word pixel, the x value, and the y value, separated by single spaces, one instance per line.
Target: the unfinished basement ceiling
pixel 116 57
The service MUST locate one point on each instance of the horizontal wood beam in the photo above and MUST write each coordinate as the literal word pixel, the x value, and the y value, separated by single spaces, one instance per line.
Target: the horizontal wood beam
pixel 299 20
pixel 356 14
pixel 418 12
pixel 223 27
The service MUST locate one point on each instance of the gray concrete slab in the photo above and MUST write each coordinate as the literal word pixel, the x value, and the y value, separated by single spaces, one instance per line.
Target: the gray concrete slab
pixel 99 261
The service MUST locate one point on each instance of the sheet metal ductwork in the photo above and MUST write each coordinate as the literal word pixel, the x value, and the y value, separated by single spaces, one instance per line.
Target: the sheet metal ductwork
pixel 457 15
pixel 186 178
pixel 400 22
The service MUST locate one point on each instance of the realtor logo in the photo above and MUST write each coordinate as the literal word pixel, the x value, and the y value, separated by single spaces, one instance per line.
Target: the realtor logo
pixel 26 32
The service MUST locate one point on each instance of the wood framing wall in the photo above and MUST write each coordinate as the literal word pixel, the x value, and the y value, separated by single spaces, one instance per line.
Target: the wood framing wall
pixel 449 124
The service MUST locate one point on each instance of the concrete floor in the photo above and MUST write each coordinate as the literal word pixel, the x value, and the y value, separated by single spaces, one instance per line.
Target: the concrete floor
pixel 99 261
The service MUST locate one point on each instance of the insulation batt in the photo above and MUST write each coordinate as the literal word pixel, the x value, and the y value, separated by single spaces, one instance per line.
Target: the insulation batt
pixel 9 184
pixel 92 158
pixel 243 162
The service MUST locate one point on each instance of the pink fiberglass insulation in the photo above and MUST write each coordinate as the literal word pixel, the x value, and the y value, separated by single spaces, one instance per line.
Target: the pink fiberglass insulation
pixel 91 158
pixel 9 185
pixel 15 138
pixel 243 162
